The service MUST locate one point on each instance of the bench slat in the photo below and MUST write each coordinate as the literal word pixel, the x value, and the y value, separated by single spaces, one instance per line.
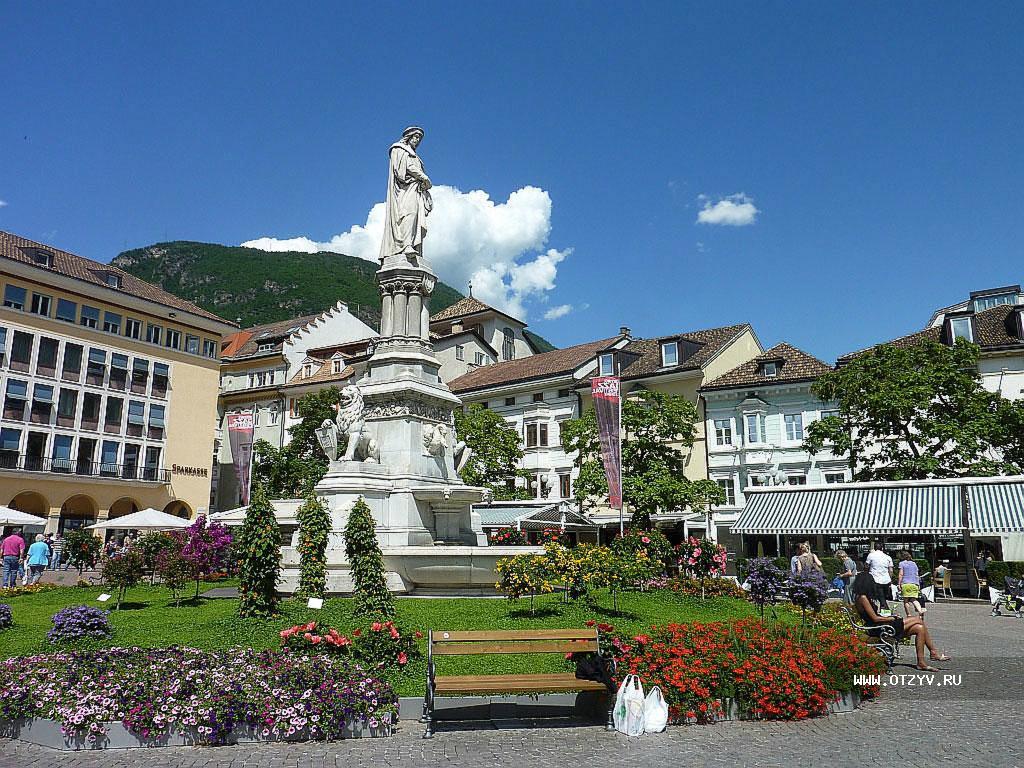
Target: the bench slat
pixel 541 683
pixel 517 647
pixel 441 636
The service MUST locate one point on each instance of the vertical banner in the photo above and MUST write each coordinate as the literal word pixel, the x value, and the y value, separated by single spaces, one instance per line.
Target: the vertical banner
pixel 605 390
pixel 240 429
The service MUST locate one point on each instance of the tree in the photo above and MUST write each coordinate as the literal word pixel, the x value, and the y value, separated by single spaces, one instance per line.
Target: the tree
pixel 123 571
pixel 366 563
pixel 152 545
pixel 911 413
pixel 289 472
pixel 175 571
pixel 497 451
pixel 260 557
pixel 204 546
pixel 314 530
pixel 656 425
pixel 82 548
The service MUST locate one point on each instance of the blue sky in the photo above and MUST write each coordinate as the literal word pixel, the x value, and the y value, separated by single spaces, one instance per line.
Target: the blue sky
pixel 880 145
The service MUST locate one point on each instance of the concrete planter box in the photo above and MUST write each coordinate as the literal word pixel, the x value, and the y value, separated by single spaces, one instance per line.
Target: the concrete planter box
pixel 47 733
pixel 846 701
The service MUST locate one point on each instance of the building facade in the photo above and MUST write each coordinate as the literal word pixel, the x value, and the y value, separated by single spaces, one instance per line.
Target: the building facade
pixel 267 368
pixel 756 416
pixel 109 389
pixel 470 334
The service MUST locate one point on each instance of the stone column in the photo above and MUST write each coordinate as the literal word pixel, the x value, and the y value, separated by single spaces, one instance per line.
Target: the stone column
pixel 386 311
pixel 425 320
pixel 415 312
pixel 399 315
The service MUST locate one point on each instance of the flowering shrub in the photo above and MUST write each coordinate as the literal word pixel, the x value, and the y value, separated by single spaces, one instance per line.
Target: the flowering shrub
pixel 808 591
pixel 652 543
pixel 831 616
pixel 523 575
pixel 711 588
pixel 259 557
pixel 122 571
pixel 381 645
pixel 6 617
pixel 204 546
pixel 553 536
pixel 701 558
pixel 278 694
pixel 372 596
pixel 314 531
pixel 78 622
pixel 507 537
pixel 765 580
pixel 82 549
pixel 30 589
pixel 151 545
pixel 771 672
pixel 174 570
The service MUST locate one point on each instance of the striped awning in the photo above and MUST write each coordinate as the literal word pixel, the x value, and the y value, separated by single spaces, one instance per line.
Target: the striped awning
pixel 851 510
pixel 996 507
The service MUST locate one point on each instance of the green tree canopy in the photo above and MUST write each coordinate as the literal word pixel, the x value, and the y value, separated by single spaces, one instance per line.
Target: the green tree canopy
pixel 291 471
pixel 497 451
pixel 657 425
pixel 366 561
pixel 914 412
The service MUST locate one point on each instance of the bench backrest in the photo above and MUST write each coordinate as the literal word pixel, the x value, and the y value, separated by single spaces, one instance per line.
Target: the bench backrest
pixel 469 643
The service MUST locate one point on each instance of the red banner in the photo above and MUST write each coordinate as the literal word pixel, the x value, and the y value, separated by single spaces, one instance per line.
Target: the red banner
pixel 240 429
pixel 605 390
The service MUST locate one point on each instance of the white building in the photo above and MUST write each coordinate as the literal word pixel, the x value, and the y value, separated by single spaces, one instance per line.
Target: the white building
pixel 756 417
pixel 267 368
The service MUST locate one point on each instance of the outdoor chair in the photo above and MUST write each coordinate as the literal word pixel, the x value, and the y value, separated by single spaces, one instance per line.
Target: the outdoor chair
pixel 981 581
pixel 945 585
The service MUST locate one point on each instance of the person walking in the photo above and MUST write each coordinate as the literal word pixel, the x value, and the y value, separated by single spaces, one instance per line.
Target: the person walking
pixel 56 551
pixel 807 561
pixel 38 557
pixel 880 568
pixel 910 585
pixel 13 549
pixel 848 574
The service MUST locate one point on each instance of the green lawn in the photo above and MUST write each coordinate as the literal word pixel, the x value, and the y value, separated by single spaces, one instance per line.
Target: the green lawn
pixel 149 619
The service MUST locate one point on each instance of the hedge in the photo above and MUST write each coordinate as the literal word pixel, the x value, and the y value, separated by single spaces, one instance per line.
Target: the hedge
pixel 998 570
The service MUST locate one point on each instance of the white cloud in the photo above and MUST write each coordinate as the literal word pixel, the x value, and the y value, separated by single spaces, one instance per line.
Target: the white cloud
pixel 733 211
pixel 556 312
pixel 469 238
pixel 3 203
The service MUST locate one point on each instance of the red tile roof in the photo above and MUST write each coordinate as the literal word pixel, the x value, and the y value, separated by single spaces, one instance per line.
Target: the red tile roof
pixel 21 249
pixel 795 365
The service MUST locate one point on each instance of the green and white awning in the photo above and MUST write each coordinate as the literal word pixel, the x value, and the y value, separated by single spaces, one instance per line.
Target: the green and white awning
pixel 850 510
pixel 996 507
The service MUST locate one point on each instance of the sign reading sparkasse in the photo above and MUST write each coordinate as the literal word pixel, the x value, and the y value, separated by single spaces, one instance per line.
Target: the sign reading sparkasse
pixel 178 469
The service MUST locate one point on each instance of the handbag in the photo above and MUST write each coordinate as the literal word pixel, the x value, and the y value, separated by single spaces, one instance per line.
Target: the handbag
pixel 628 715
pixel 655 711
pixel 590 667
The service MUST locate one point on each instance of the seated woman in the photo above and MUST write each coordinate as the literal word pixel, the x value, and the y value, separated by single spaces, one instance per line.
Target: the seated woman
pixel 866 601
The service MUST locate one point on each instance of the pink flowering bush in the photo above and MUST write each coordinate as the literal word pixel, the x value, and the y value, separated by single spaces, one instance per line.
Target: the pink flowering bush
pixel 203 548
pixel 278 694
pixel 701 559
pixel 382 645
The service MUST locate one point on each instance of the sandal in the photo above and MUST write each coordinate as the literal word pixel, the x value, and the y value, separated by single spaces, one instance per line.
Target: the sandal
pixel 941 657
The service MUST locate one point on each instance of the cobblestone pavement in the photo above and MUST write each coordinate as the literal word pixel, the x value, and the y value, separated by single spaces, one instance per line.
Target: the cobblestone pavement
pixel 980 722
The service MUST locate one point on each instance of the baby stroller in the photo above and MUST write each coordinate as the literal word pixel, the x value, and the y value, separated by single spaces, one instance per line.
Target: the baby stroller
pixel 1011 601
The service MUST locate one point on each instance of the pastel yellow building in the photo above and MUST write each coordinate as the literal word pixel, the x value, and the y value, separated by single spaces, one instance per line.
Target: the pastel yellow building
pixel 109 387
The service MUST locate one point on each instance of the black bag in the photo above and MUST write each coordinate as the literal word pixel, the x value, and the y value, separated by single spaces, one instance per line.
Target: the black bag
pixel 590 667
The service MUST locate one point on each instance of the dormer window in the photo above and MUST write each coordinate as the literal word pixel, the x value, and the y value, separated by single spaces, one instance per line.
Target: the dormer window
pixel 112 279
pixel 669 353
pixel 606 365
pixel 960 328
pixel 307 370
pixel 336 366
pixel 265 347
pixel 770 369
pixel 42 258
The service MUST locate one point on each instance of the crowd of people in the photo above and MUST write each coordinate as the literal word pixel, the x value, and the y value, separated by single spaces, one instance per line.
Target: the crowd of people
pixel 24 563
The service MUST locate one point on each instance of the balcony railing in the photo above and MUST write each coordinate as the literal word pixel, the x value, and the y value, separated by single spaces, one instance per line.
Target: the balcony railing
pixel 14 461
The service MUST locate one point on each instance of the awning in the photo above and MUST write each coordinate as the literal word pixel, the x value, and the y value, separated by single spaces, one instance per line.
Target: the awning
pixel 996 507
pixel 851 510
pixel 532 517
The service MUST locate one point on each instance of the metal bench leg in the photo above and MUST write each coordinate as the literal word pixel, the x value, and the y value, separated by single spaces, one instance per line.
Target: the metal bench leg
pixel 428 716
pixel 610 725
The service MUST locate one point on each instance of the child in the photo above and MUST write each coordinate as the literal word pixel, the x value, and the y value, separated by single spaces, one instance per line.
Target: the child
pixel 910 585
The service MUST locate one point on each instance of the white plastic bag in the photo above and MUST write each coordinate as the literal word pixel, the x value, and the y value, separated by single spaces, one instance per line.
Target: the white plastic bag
pixel 655 711
pixel 628 715
pixel 928 593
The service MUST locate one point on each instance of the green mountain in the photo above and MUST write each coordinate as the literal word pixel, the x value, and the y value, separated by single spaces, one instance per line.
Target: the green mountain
pixel 254 287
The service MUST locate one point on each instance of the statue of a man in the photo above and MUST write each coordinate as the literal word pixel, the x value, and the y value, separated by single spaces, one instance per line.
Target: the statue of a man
pixel 408 201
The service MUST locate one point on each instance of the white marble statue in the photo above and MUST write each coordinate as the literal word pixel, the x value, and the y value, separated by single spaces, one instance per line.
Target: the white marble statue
pixel 408 200
pixel 435 439
pixel 350 421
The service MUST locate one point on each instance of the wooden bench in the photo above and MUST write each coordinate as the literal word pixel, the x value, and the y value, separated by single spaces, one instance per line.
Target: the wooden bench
pixel 882 637
pixel 507 642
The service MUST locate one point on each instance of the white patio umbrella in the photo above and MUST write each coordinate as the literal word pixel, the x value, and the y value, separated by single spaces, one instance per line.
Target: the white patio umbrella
pixel 148 519
pixel 10 516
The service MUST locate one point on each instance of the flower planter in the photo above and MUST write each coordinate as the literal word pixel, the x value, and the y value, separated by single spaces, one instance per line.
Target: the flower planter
pixel 47 733
pixel 846 701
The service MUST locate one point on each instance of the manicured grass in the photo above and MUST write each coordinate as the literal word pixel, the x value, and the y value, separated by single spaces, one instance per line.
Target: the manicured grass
pixel 149 619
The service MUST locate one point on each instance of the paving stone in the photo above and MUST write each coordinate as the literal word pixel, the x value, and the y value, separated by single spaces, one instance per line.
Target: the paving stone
pixel 908 726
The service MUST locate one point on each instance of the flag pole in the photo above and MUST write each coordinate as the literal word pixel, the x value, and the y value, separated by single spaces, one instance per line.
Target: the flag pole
pixel 622 488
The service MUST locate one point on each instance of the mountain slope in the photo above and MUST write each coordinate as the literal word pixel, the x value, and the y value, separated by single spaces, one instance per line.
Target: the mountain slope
pixel 254 286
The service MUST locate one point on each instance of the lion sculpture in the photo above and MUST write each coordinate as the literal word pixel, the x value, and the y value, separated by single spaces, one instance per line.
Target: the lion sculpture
pixel 350 422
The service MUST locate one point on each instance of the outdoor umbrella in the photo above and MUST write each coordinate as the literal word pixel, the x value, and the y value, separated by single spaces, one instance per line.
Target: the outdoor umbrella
pixel 10 516
pixel 146 519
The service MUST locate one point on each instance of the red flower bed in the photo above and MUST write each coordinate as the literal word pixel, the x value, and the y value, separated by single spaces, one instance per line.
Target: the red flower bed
pixel 771 672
